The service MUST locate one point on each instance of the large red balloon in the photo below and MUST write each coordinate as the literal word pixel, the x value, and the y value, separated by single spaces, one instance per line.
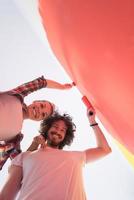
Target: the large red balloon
pixel 94 41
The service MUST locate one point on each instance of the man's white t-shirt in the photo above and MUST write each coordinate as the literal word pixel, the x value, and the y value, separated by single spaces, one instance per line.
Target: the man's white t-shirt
pixel 51 174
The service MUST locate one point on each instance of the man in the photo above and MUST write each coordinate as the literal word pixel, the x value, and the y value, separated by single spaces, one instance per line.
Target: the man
pixel 50 172
pixel 13 111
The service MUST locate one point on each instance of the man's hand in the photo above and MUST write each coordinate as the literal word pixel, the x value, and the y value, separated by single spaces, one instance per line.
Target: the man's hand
pixel 91 115
pixel 37 141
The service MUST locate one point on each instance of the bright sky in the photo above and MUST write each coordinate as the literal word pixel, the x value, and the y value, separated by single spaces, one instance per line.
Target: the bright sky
pixel 25 55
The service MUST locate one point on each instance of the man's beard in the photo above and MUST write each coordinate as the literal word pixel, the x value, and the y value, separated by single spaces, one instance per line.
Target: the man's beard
pixel 53 144
pixel 51 141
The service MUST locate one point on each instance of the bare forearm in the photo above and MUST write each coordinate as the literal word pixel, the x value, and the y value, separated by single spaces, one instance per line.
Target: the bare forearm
pixel 103 147
pixel 33 146
pixel 100 138
pixel 8 193
pixel 13 183
pixel 56 85
pixel 52 84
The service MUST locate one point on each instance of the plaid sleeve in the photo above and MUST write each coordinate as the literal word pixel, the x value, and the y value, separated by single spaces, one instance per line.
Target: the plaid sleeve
pixel 27 88
pixel 18 160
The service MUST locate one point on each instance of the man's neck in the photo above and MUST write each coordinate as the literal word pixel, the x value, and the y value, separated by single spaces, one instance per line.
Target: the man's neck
pixel 53 146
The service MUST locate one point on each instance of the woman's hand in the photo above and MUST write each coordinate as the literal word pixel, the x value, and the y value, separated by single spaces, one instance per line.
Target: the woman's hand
pixel 66 86
pixel 37 141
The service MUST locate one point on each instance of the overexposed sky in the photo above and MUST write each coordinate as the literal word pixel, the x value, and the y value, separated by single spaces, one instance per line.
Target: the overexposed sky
pixel 25 55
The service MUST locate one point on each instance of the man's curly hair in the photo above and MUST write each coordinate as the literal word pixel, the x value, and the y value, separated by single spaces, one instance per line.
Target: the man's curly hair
pixel 47 123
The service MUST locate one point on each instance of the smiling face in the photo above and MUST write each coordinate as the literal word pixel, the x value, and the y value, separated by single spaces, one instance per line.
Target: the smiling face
pixel 39 110
pixel 56 133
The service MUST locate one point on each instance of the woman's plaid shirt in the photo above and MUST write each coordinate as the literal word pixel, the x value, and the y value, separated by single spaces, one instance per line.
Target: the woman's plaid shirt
pixel 12 148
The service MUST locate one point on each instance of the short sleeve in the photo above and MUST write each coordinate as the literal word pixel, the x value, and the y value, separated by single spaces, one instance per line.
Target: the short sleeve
pixel 18 160
pixel 80 156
